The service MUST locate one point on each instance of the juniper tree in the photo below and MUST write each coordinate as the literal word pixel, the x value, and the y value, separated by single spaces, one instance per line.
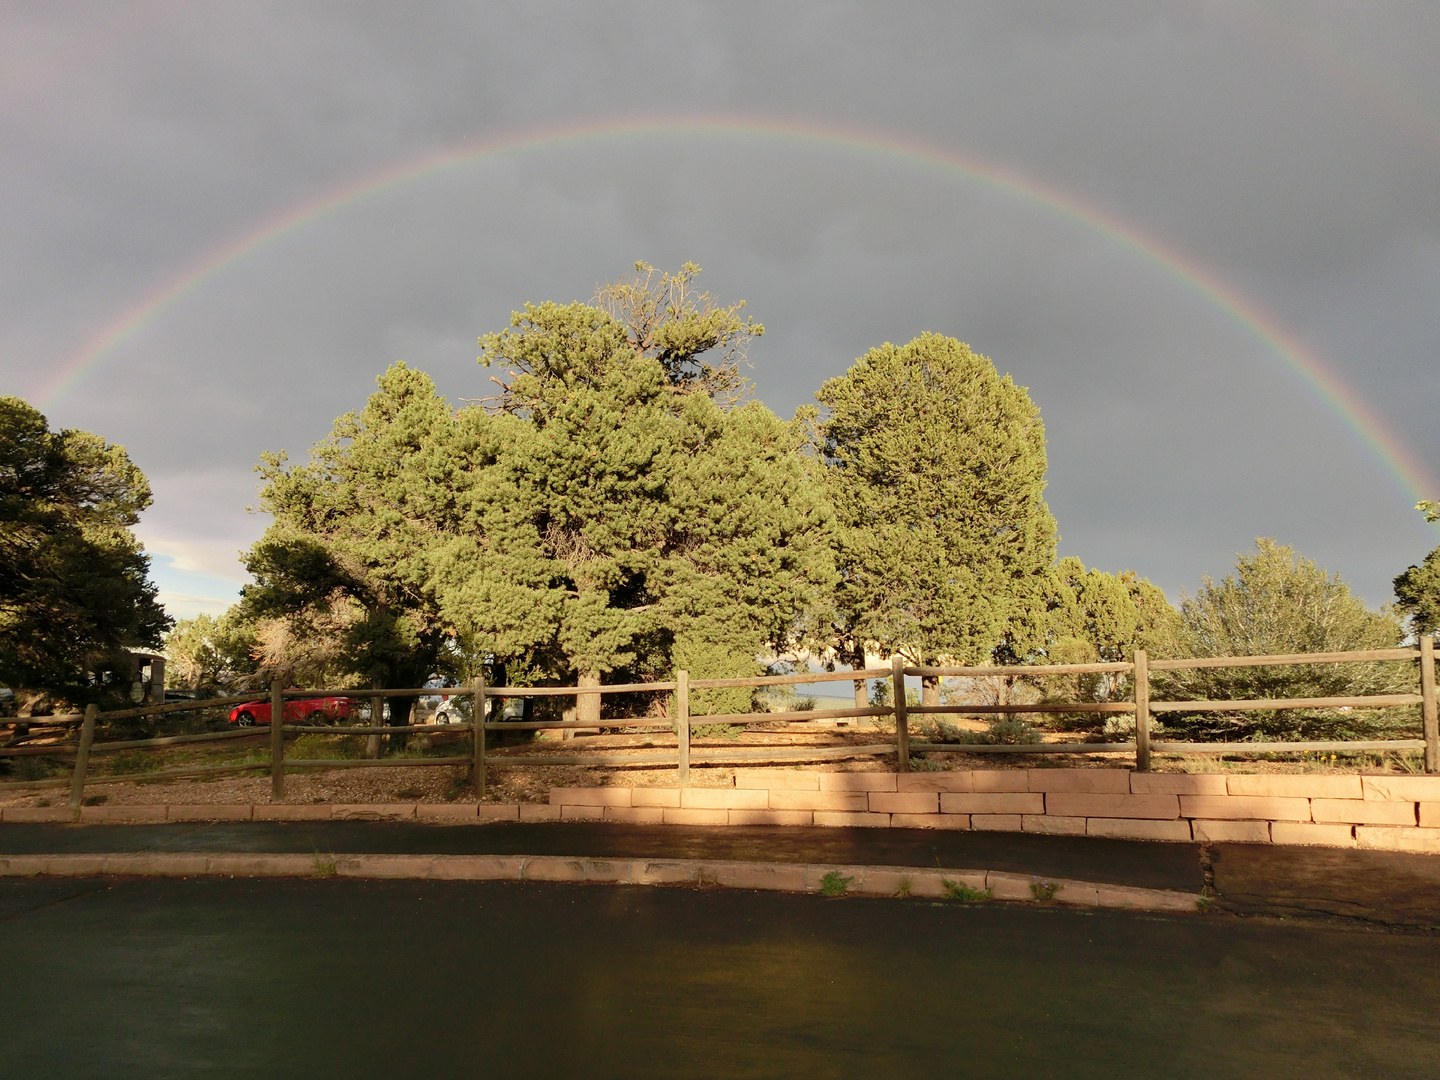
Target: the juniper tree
pixel 1417 590
pixel 935 465
pixel 345 569
pixel 615 518
pixel 1277 602
pixel 74 580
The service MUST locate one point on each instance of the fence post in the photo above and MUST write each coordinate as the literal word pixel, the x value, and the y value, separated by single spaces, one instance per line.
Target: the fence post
pixel 1142 711
pixel 277 739
pixel 682 723
pixel 479 717
pixel 1427 703
pixel 902 719
pixel 82 756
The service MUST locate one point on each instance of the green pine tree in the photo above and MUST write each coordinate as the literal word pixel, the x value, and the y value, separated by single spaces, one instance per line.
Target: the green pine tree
pixel 936 469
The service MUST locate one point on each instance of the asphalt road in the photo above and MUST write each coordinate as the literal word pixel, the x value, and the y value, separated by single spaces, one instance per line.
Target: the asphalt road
pixel 161 978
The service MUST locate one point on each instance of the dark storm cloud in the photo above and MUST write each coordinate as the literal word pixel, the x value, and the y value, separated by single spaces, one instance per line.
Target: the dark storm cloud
pixel 1287 149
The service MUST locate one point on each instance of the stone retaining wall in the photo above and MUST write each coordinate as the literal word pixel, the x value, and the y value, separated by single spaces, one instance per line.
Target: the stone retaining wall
pixel 1384 812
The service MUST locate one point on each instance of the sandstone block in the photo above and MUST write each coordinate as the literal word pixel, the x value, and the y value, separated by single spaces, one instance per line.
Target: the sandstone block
pixel 781 877
pixel 1068 804
pixel 372 812
pixel 783 799
pixel 931 883
pixel 483 811
pixel 1178 784
pixel 1303 833
pixel 584 811
pixel 1298 787
pixel 885 881
pixel 815 875
pixel 930 821
pixel 271 865
pixel 997 822
pixel 1363 811
pixel 935 781
pixel 1000 802
pixel 597 796
pixel 999 780
pixel 157 864
pixel 857 781
pixel 1231 832
pixel 1053 826
pixel 725 798
pixel 539 812
pixel 1429 815
pixel 1402 788
pixel 611 870
pixel 384 866
pixel 1249 807
pixel 683 816
pixel 122 813
pixel 552 868
pixel 784 779
pixel 1087 781
pixel 1133 829
pixel 72 865
pixel 290 812
pixel 636 815
pixel 1123 896
pixel 38 813
pixel 22 865
pixel 654 796
pixel 852 819
pixel 665 872
pixel 476 867
pixel 1005 886
pixel 772 817
pixel 905 802
pixel 1398 838
pixel 208 812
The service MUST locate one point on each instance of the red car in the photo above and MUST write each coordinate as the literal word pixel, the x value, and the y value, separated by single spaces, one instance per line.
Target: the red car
pixel 320 710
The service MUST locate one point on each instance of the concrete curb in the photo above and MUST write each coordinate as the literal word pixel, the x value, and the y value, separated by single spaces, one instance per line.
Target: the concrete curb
pixel 894 881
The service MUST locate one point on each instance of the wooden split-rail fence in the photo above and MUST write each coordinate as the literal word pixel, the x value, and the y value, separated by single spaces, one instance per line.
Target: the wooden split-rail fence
pixel 1141 706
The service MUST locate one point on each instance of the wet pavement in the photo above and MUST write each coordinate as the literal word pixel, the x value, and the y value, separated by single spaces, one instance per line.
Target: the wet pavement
pixel 1116 862
pixel 164 978
pixel 1387 888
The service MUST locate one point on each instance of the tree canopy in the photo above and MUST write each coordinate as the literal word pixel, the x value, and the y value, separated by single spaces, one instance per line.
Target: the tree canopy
pixel 343 576
pixel 1277 603
pixel 619 513
pixel 1417 590
pixel 74 580
pixel 935 464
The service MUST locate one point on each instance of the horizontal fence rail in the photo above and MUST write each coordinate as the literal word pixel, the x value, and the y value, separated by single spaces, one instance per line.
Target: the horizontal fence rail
pixel 668 737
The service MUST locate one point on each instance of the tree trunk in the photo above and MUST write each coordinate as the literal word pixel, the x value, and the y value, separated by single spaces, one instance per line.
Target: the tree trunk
pixel 587 706
pixel 930 690
pixel 400 710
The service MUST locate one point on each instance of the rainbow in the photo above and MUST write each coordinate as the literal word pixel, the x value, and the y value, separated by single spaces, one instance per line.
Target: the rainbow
pixel 1404 470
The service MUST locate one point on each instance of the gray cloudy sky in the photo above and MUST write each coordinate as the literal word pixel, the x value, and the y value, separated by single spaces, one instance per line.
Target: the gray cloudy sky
pixel 1289 150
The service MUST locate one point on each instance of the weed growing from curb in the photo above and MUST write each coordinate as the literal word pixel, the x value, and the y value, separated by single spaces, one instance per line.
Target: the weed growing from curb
pixel 1044 891
pixel 834 884
pixel 955 890
pixel 905 886
pixel 326 866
